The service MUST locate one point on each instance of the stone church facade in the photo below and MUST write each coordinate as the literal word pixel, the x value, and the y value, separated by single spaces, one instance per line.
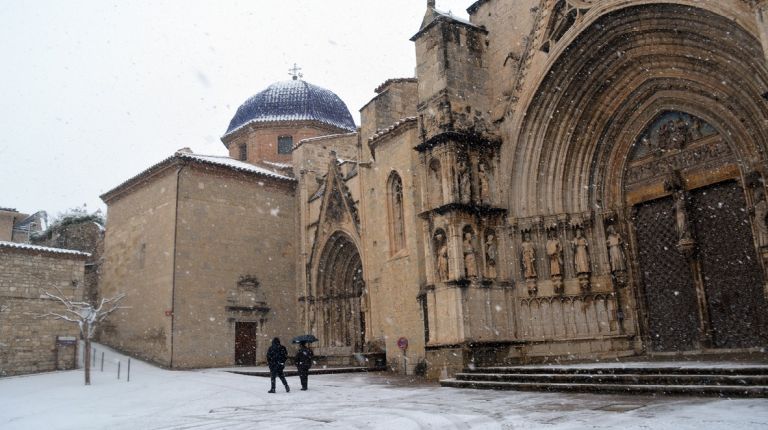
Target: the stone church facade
pixel 563 179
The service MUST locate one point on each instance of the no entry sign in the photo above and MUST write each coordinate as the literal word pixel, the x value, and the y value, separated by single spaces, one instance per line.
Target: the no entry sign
pixel 402 343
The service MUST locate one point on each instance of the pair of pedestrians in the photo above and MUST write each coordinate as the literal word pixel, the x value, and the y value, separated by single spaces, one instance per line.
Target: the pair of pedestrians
pixel 277 355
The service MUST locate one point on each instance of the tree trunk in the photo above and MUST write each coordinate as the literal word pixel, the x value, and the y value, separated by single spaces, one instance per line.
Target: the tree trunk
pixel 87 356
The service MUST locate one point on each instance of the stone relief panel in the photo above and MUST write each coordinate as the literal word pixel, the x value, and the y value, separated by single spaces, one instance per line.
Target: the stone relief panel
pixel 671 131
pixel 674 141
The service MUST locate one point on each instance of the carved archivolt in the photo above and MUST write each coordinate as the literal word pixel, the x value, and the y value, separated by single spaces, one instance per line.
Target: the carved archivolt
pixel 581 127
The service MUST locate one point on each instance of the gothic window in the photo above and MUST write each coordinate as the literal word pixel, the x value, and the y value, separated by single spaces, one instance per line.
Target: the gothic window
pixel 243 152
pixel 284 144
pixel 435 184
pixel 396 215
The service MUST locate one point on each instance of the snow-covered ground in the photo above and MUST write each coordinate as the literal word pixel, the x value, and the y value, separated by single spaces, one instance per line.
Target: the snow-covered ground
pixel 215 399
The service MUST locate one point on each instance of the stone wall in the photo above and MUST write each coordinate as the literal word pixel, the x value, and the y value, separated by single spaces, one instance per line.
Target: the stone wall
pixel 233 227
pixel 139 258
pixel 394 277
pixel 28 344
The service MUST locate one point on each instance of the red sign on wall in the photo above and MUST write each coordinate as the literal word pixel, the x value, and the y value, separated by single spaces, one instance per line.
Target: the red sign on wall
pixel 402 343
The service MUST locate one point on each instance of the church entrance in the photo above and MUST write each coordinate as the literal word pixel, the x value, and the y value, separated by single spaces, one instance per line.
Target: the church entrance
pixel 245 343
pixel 339 318
pixel 700 277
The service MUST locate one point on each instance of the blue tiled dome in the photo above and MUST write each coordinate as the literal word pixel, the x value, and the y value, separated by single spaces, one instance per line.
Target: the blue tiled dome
pixel 294 100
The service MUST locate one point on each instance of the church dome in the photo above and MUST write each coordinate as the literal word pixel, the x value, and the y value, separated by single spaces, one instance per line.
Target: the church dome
pixel 294 100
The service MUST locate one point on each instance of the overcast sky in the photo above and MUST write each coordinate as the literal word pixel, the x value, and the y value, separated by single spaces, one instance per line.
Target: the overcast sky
pixel 93 92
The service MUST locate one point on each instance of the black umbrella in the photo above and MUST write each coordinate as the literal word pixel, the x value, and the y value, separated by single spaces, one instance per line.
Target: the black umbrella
pixel 309 338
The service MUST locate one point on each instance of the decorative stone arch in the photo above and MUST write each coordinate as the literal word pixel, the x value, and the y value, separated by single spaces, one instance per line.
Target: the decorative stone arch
pixel 606 83
pixel 613 77
pixel 339 291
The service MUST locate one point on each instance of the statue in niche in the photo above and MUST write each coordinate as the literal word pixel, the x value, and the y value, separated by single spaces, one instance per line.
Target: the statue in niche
pixel 760 211
pixel 484 182
pixel 581 253
pixel 465 183
pixel 615 250
pixel 555 254
pixel 490 256
pixel 441 256
pixel 470 259
pixel 529 257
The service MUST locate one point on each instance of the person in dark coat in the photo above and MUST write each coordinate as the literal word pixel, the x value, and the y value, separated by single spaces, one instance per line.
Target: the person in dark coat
pixel 276 357
pixel 303 363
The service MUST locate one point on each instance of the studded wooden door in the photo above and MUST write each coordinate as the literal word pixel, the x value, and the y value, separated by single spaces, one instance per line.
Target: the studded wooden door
pixel 730 269
pixel 667 282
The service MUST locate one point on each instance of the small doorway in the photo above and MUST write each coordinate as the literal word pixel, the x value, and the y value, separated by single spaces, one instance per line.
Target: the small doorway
pixel 245 343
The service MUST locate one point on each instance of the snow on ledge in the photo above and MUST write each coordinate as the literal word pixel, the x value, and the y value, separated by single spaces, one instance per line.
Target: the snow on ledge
pixel 27 247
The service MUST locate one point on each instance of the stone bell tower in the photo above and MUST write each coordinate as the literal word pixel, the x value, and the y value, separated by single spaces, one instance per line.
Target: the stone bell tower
pixel 464 224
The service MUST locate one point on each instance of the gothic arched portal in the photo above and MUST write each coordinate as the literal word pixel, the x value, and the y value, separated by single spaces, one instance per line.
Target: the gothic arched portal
pixel 650 124
pixel 339 291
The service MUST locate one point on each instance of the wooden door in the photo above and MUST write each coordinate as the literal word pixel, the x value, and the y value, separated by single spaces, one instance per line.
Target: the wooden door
pixel 245 343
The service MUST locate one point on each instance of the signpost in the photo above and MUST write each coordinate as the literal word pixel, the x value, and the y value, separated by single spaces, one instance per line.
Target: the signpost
pixel 402 343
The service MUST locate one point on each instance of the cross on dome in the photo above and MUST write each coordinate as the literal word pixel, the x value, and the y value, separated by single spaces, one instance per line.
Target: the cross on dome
pixel 295 71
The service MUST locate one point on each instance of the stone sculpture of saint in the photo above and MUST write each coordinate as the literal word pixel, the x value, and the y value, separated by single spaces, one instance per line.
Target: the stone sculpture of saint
pixel 681 216
pixel 555 254
pixel 490 256
pixel 615 250
pixel 484 182
pixel 529 258
pixel 470 259
pixel 441 257
pixel 465 183
pixel 761 218
pixel 581 253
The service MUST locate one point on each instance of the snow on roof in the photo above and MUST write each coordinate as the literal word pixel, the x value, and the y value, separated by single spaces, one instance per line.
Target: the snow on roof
pixel 294 100
pixel 450 15
pixel 381 132
pixel 27 247
pixel 217 160
pixel 233 164
pixel 278 165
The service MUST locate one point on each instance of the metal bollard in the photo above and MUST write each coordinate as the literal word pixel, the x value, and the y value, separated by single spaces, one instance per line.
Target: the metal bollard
pixel 128 379
pixel 118 370
pixel 93 358
pixel 102 361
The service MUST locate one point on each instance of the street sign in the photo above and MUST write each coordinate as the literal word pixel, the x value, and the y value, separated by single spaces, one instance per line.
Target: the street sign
pixel 402 343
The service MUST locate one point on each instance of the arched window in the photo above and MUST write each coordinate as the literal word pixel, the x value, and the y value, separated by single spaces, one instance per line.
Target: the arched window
pixel 396 213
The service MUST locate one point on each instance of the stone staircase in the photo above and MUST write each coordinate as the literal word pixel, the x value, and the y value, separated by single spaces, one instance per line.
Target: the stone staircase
pixel 698 380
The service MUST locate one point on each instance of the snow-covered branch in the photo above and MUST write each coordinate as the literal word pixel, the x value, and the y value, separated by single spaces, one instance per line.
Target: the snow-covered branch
pixel 84 314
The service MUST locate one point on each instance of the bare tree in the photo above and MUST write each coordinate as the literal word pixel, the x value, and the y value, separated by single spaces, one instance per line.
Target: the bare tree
pixel 87 316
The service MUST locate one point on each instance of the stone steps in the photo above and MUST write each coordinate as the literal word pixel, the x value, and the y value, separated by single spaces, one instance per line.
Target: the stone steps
pixel 737 381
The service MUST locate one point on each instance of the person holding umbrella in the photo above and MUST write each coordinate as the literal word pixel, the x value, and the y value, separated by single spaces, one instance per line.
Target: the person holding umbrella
pixel 276 357
pixel 304 358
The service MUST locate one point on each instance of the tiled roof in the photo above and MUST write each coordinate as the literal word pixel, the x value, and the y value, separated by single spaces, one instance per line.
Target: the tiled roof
pixel 216 160
pixel 26 247
pixel 294 100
